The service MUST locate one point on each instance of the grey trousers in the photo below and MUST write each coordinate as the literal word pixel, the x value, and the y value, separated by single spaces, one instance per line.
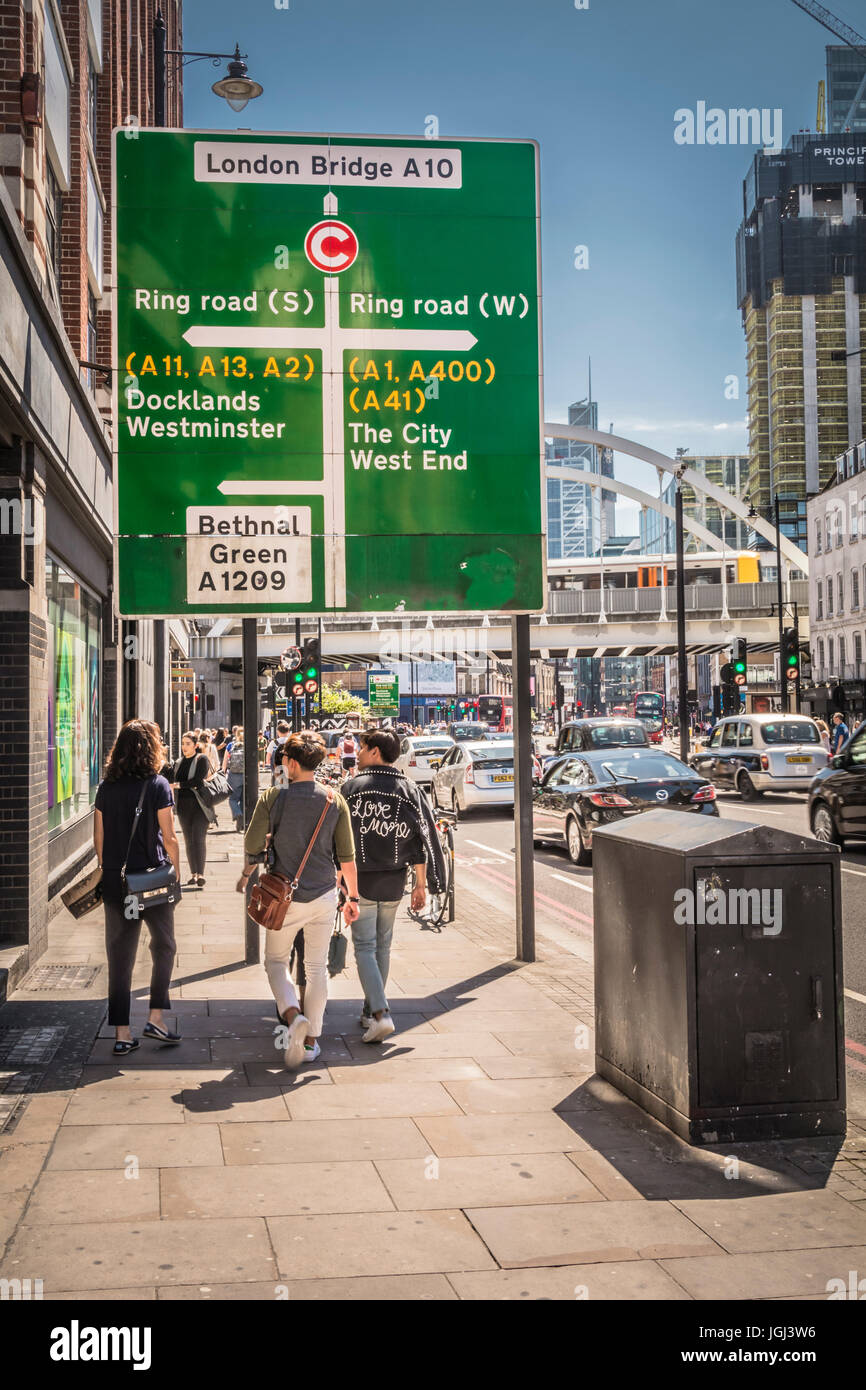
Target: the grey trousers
pixel 121 945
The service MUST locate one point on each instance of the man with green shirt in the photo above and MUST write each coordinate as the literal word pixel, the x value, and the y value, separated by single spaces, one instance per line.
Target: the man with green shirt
pixel 286 817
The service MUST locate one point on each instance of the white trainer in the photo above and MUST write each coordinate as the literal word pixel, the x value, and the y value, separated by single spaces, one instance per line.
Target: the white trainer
pixel 298 1029
pixel 380 1028
pixel 312 1054
pixel 365 1020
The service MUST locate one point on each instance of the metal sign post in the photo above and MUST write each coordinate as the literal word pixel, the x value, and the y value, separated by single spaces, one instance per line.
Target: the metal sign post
pixel 251 765
pixel 524 860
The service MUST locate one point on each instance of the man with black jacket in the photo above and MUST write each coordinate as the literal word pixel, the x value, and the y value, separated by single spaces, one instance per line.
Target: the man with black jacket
pixel 394 828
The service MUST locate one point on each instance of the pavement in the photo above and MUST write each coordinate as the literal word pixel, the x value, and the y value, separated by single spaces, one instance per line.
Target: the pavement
pixel 473 1156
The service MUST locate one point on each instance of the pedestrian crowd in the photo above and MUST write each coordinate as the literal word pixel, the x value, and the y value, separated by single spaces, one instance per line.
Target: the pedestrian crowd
pixel 342 858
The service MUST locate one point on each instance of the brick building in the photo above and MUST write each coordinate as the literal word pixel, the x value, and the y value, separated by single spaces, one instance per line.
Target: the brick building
pixel 70 71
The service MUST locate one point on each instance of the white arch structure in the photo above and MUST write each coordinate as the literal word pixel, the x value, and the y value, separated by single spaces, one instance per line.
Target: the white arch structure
pixel 726 500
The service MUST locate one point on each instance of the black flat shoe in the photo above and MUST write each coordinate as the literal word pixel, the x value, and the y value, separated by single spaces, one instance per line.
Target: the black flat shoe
pixel 159 1034
pixel 121 1047
pixel 201 882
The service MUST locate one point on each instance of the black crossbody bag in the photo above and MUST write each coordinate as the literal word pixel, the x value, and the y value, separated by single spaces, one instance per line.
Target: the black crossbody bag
pixel 148 887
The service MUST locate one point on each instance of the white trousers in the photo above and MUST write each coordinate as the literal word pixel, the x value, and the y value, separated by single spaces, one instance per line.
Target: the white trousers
pixel 316 920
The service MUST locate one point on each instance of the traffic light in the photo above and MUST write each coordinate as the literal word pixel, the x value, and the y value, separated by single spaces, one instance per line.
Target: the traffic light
pixel 790 655
pixel 740 663
pixel 729 692
pixel 310 667
pixel 297 684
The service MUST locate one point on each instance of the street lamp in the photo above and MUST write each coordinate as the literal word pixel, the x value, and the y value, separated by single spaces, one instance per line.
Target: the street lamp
pixel 237 87
pixel 753 512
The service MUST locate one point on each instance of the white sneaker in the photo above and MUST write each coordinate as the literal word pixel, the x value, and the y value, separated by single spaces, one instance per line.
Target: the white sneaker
pixel 380 1028
pixel 298 1029
pixel 312 1054
pixel 365 1020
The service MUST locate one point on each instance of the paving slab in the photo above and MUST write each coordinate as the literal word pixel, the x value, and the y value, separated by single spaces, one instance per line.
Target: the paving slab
pixel 151 1146
pixel 94 1195
pixel 109 1254
pixel 587 1232
pixel 501 1097
pixel 525 1068
pixel 395 1243
pixel 149 1054
pixel 784 1221
pixel 417 1044
pixel 233 1104
pixel 537 1131
pixel 20 1166
pixel 127 1078
pixel 90 1106
pixel 469 1018
pixel 142 1295
pixel 633 1280
pixel 770 1274
pixel 380 1069
pixel 285 1078
pixel 389 1288
pixel 309 1141
pixel 368 1101
pixel 275 1189
pixel 491 1180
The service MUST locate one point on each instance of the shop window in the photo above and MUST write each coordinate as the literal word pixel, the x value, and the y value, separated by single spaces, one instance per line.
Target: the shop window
pixel 74 695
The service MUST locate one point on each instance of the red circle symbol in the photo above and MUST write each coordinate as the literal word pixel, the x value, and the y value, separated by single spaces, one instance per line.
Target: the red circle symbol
pixel 331 246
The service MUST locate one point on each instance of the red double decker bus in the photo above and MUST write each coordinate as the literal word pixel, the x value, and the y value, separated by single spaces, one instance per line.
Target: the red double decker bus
pixel 649 707
pixel 497 712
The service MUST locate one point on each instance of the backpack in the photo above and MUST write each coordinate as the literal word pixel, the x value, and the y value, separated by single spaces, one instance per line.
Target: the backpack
pixel 348 747
pixel 236 759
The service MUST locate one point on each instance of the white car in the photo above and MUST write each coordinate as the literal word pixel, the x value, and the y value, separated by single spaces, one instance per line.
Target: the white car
pixel 416 753
pixel 475 774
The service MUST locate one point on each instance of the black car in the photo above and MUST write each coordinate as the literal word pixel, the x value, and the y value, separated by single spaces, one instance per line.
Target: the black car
pixel 580 735
pixel 837 796
pixel 578 793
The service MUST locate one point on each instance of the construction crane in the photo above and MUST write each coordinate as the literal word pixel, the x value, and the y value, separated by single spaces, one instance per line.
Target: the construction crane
pixel 847 35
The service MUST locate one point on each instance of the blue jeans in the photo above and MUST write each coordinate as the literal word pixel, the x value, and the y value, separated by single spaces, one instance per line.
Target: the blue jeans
pixel 236 800
pixel 371 938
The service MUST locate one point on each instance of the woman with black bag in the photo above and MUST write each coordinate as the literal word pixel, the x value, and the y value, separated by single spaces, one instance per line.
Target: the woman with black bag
pixel 133 831
pixel 188 777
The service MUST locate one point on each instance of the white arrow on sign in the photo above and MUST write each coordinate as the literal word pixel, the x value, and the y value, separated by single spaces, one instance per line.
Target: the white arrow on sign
pixel 332 341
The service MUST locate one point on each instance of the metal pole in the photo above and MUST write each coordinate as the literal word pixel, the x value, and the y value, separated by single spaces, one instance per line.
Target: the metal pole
pixel 523 852
pixel 251 763
pixel 797 681
pixel 296 704
pixel 682 674
pixel 783 692
pixel 159 70
pixel 321 676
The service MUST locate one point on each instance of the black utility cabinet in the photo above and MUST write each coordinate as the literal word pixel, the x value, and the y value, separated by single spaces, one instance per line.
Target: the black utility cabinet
pixel 723 1030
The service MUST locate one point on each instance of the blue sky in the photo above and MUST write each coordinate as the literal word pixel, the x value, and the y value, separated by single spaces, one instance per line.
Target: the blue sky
pixel 656 309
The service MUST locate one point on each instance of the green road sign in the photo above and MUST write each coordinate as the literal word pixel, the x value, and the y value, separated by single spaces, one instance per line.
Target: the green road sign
pixel 383 693
pixel 328 391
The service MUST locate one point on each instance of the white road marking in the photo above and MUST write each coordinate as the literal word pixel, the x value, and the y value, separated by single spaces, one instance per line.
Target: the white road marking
pixel 852 994
pixel 858 872
pixel 573 882
pixel 491 849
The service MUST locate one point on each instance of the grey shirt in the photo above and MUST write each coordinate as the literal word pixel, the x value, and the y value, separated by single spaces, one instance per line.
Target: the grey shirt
pixel 300 813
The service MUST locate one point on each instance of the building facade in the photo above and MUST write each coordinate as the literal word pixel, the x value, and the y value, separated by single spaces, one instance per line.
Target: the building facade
pixel 70 70
pixel 801 278
pixel 575 511
pixel 728 471
pixel 837 589
pixel 846 89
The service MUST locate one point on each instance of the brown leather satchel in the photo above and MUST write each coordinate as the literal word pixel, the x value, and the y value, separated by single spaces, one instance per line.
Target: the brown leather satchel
pixel 272 895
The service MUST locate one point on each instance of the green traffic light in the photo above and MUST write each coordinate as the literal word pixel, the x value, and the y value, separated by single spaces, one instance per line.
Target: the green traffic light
pixel 792 660
pixel 311 674
pixel 739 667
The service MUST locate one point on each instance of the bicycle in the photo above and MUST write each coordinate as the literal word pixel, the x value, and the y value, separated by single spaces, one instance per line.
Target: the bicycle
pixel 441 904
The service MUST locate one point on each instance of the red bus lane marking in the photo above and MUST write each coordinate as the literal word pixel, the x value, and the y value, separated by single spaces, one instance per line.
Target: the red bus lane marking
pixel 494 877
